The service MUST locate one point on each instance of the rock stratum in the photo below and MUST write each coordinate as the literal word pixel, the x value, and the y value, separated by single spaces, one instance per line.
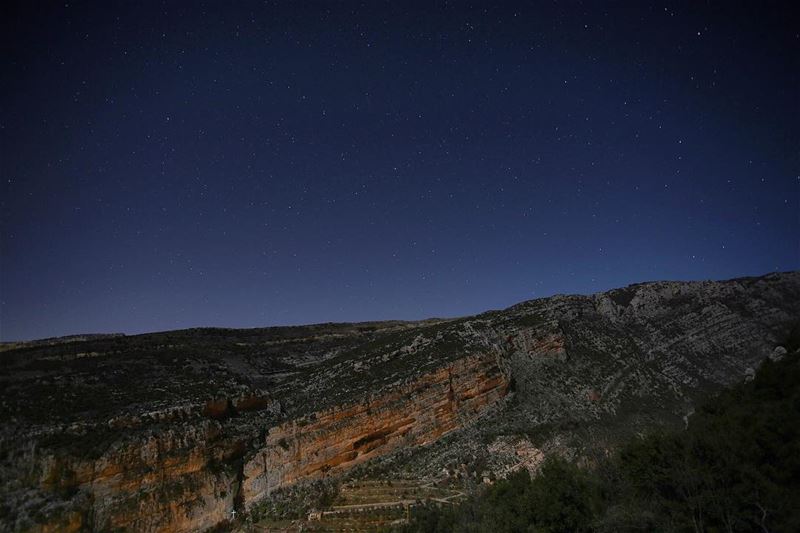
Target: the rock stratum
pixel 172 431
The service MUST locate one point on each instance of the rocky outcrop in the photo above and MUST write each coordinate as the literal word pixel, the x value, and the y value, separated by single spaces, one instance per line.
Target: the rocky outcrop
pixel 415 414
pixel 168 480
pixel 189 476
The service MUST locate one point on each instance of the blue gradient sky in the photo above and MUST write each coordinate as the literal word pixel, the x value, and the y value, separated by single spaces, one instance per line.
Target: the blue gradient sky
pixel 176 165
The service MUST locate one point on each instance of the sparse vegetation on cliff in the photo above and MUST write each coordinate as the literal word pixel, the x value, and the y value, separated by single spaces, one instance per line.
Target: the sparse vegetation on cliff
pixel 296 502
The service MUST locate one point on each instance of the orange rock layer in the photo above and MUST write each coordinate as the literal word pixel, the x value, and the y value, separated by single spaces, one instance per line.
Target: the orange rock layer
pixel 415 414
pixel 165 482
pixel 188 477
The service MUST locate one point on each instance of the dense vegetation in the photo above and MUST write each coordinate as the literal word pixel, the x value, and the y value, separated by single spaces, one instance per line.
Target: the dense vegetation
pixel 736 467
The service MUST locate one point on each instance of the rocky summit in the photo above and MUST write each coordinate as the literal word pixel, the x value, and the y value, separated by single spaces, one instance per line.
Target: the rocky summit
pixel 173 431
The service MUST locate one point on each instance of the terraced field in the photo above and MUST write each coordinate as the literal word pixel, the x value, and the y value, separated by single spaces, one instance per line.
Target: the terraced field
pixel 368 506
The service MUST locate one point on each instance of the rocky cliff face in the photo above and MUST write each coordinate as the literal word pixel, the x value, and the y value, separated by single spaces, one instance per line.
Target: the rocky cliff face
pixel 416 414
pixel 186 469
pixel 172 431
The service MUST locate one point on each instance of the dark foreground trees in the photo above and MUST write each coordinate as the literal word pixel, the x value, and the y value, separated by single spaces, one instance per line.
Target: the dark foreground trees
pixel 735 468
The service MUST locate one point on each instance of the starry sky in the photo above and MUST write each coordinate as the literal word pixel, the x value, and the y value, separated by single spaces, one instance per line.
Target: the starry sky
pixel 180 164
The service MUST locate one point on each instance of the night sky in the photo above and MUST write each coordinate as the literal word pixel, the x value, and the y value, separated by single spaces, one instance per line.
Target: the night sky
pixel 169 165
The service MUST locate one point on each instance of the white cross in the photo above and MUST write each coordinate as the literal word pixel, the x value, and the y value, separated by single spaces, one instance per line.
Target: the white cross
pixel 233 514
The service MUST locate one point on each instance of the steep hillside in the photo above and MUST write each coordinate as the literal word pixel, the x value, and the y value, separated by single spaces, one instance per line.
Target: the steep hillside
pixel 172 431
pixel 734 467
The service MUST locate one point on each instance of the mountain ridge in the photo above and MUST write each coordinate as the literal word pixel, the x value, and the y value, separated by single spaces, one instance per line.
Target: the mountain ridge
pixel 78 337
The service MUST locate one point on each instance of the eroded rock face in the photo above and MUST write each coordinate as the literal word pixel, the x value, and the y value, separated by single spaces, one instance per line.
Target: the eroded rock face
pixel 189 475
pixel 161 481
pixel 172 431
pixel 415 414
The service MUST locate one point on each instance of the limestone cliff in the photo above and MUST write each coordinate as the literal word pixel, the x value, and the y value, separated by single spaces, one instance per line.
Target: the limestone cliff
pixel 187 469
pixel 415 414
